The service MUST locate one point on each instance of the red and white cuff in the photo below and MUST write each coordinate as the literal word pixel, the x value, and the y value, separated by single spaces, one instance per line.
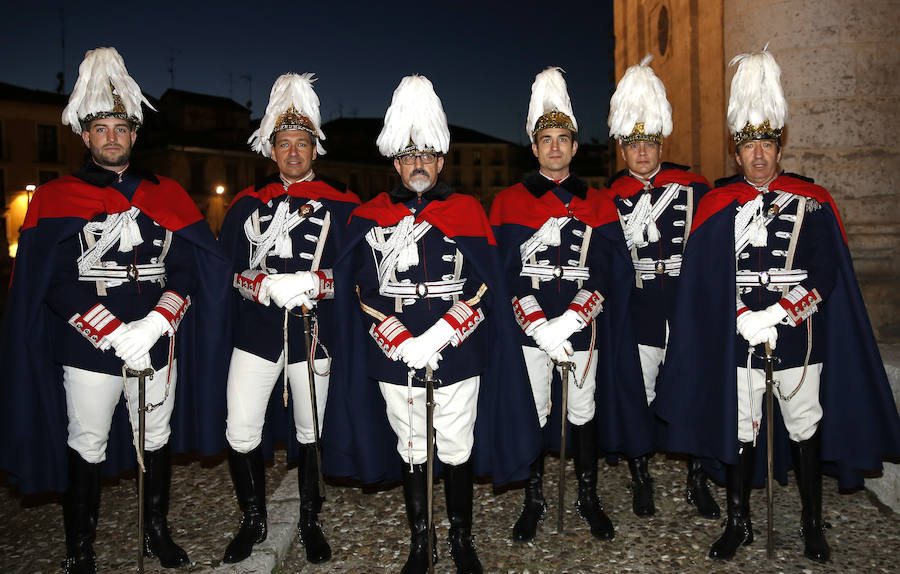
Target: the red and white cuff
pixel 800 304
pixel 389 334
pixel 248 283
pixel 463 319
pixel 324 289
pixel 587 304
pixel 172 306
pixel 741 308
pixel 96 324
pixel 528 313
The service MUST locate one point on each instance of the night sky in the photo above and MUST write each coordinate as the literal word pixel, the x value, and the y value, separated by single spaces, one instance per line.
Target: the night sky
pixel 481 56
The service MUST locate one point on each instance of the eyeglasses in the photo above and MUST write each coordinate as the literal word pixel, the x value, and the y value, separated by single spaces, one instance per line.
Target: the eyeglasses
pixel 410 159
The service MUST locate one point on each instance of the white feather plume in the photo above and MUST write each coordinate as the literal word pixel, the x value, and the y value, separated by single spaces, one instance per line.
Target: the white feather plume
pixel 640 96
pixel 415 115
pixel 288 90
pixel 548 93
pixel 92 95
pixel 756 92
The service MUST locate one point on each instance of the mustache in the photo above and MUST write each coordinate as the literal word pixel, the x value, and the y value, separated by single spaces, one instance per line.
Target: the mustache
pixel 419 172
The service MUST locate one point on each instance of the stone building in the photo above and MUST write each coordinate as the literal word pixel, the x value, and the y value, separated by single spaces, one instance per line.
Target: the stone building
pixel 840 59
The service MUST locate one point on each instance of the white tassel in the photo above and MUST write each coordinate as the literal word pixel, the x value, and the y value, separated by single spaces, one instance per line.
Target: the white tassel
pixel 549 234
pixel 131 234
pixel 284 247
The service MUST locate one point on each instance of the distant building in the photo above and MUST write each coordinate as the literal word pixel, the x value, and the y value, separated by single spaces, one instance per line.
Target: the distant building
pixel 34 148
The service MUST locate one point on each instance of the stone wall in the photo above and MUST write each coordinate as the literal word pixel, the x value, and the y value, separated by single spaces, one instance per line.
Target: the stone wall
pixel 840 61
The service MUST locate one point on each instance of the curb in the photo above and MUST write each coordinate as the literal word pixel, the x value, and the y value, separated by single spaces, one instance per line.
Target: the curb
pixel 283 509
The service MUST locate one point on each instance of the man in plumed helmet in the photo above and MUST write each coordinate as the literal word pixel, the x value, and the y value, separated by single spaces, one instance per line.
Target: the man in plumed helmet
pixel 281 236
pixel 656 202
pixel 116 268
pixel 767 264
pixel 565 261
pixel 425 265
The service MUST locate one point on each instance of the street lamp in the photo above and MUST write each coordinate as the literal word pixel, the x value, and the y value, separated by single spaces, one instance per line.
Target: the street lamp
pixel 29 189
pixel 220 189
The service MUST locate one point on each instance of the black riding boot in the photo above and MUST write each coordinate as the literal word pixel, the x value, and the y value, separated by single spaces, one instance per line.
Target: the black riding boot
pixel 698 493
pixel 535 506
pixel 415 493
pixel 809 482
pixel 157 540
pixel 588 505
pixel 641 487
pixel 738 528
pixel 317 549
pixel 458 489
pixel 81 504
pixel 249 475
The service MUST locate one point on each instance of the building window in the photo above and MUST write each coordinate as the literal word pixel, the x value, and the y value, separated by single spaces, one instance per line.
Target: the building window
pixel 498 158
pixel 662 30
pixel 46 175
pixel 47 148
pixel 476 157
pixel 498 178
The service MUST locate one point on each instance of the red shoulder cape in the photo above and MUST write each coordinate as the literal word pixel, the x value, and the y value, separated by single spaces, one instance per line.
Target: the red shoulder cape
pixel 457 216
pixel 626 186
pixel 307 189
pixel 742 192
pixel 519 206
pixel 166 203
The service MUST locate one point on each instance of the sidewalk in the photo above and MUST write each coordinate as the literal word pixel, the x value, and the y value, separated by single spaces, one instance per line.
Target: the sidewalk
pixel 368 532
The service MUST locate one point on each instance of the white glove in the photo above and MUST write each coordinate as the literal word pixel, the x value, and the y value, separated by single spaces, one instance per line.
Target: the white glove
pixel 301 300
pixel 769 334
pixel 554 332
pixel 750 323
pixel 139 338
pixel 115 338
pixel 562 353
pixel 139 364
pixel 263 295
pixel 421 350
pixel 285 287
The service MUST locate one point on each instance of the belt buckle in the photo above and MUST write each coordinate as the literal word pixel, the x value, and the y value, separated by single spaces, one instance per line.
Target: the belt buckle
pixel 660 267
pixel 421 290
pixel 558 271
pixel 764 278
pixel 132 272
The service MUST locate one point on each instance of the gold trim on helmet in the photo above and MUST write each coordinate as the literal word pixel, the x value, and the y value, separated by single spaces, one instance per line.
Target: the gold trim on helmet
pixel 553 119
pixel 763 131
pixel 292 119
pixel 637 135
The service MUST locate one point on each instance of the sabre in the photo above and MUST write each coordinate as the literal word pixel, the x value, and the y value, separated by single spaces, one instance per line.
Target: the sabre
pixel 429 469
pixel 566 367
pixel 142 430
pixel 307 340
pixel 770 499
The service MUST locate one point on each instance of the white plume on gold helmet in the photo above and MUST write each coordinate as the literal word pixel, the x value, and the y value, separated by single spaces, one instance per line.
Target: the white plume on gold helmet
pixel 293 105
pixel 757 108
pixel 104 90
pixel 550 106
pixel 639 109
pixel 415 121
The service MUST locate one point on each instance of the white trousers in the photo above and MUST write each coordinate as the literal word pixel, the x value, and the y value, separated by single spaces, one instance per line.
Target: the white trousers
pixel 801 414
pixel 580 401
pixel 251 380
pixel 91 400
pixel 455 409
pixel 651 360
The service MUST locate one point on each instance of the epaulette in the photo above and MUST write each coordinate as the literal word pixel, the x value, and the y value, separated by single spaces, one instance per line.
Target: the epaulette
pixel 812 204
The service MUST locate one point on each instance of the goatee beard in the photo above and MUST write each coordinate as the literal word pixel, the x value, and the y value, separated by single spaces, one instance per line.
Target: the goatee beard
pixel 420 185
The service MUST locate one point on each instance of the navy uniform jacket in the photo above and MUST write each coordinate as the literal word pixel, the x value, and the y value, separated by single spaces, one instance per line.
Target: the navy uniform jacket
pixel 697 395
pixel 653 299
pixel 507 437
pixel 43 291
pixel 624 420
pixel 258 329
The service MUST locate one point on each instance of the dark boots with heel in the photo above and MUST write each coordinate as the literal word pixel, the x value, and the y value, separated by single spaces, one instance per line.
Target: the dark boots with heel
pixel 311 535
pixel 809 481
pixel 249 476
pixel 641 486
pixel 534 507
pixel 588 505
pixel 415 494
pixel 458 485
pixel 81 504
pixel 738 528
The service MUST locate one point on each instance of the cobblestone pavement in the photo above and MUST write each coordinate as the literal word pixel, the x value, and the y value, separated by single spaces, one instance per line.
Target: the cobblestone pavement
pixel 368 531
